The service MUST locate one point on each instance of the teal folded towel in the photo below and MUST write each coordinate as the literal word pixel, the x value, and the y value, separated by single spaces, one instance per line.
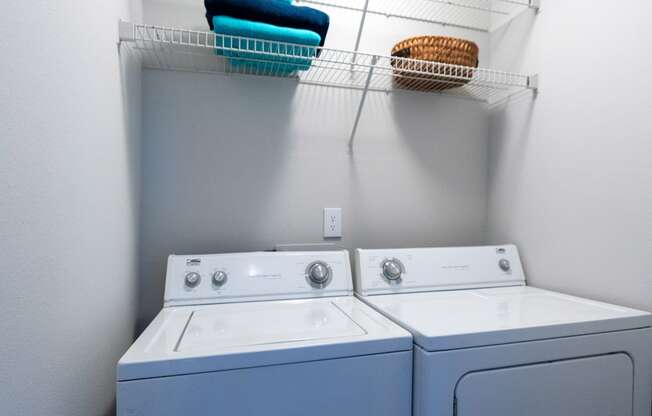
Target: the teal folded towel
pixel 261 62
pixel 274 12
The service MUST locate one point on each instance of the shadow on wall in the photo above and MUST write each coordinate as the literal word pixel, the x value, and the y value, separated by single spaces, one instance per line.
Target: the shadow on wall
pixel 111 411
pixel 213 152
pixel 132 105
pixel 434 127
pixel 508 149
pixel 405 160
pixel 509 140
pixel 241 164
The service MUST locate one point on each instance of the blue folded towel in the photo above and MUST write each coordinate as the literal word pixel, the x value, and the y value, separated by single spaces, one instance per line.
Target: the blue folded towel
pixel 261 62
pixel 274 12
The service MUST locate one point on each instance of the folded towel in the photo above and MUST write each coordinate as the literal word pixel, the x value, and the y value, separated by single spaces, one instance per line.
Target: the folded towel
pixel 261 62
pixel 274 12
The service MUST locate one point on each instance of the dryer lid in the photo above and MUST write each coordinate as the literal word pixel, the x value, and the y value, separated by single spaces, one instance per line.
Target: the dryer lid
pixel 472 318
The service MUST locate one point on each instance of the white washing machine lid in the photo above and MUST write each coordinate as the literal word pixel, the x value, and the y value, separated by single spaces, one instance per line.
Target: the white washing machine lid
pixel 471 318
pixel 193 339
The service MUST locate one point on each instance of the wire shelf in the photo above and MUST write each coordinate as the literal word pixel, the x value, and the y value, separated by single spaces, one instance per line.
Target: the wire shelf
pixel 196 51
pixel 482 15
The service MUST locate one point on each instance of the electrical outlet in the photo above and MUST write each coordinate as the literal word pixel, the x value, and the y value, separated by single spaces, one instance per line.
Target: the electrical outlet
pixel 332 222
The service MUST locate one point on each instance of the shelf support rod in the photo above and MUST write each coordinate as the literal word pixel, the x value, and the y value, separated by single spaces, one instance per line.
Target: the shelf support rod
pixel 370 74
pixel 360 29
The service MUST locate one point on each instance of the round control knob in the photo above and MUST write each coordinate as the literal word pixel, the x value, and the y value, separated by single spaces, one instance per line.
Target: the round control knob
pixel 392 270
pixel 192 279
pixel 219 278
pixel 504 265
pixel 318 274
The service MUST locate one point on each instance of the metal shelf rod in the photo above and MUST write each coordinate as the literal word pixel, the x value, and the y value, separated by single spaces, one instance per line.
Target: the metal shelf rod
pixel 362 101
pixel 360 29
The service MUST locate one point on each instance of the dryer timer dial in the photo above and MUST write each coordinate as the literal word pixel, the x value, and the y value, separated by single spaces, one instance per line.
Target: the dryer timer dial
pixel 392 270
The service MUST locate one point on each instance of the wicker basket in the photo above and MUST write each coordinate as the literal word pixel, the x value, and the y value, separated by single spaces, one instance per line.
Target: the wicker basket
pixel 436 49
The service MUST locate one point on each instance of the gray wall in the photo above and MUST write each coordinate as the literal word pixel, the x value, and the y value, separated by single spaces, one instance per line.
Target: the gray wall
pixel 69 179
pixel 571 174
pixel 240 164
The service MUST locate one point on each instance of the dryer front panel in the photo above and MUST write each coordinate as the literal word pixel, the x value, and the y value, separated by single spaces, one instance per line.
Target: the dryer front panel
pixel 596 386
pixel 598 374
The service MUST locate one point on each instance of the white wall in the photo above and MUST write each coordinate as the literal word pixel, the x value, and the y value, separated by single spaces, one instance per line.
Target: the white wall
pixel 69 186
pixel 239 164
pixel 571 173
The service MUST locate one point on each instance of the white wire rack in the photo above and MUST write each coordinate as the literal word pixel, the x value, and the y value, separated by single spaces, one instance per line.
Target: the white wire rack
pixel 188 50
pixel 482 15
pixel 197 51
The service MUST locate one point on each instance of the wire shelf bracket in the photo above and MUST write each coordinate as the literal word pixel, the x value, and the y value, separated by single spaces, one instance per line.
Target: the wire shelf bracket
pixel 126 31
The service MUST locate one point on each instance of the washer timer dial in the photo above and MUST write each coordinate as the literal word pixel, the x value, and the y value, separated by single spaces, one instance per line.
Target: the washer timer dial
pixel 318 274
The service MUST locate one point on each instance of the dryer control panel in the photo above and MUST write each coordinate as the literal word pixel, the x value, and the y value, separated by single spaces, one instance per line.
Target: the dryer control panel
pixel 241 277
pixel 431 269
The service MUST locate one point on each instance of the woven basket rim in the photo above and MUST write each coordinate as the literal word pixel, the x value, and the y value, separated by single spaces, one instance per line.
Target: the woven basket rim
pixel 401 45
pixel 461 53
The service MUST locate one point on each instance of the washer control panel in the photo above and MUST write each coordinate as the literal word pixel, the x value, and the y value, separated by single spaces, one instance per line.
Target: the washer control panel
pixel 430 269
pixel 222 278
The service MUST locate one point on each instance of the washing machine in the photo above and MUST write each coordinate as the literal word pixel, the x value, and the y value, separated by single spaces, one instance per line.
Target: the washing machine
pixel 486 343
pixel 266 334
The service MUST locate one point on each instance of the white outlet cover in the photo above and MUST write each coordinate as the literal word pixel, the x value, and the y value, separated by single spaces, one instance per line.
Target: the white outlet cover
pixel 332 222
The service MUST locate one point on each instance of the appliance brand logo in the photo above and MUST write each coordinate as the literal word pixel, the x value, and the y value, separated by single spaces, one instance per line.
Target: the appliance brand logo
pixel 265 276
pixel 456 267
pixel 193 262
